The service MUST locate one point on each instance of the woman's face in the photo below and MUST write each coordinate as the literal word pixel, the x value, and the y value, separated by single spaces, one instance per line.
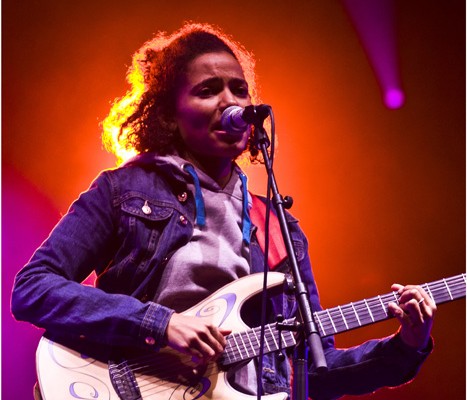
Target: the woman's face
pixel 213 82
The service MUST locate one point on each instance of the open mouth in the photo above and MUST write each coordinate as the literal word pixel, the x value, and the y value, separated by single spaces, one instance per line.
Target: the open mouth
pixel 219 128
pixel 226 136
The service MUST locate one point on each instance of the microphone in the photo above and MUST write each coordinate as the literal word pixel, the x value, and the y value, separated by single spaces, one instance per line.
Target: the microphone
pixel 232 120
pixel 235 119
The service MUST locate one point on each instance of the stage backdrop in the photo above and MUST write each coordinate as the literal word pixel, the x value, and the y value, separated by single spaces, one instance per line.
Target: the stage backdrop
pixel 370 116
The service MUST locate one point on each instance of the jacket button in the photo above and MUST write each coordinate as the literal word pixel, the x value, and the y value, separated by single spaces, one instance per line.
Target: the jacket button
pixel 146 209
pixel 183 220
pixel 150 341
pixel 182 197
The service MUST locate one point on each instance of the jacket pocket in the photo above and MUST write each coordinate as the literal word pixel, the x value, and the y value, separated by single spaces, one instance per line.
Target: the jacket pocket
pixel 146 209
pixel 142 222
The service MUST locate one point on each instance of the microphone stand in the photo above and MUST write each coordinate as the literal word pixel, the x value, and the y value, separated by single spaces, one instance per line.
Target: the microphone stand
pixel 256 115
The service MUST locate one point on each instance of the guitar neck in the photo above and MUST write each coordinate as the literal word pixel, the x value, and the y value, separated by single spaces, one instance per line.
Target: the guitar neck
pixel 368 311
pixel 246 345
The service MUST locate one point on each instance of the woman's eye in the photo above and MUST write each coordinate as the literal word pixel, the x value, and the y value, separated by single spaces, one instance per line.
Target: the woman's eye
pixel 205 92
pixel 241 91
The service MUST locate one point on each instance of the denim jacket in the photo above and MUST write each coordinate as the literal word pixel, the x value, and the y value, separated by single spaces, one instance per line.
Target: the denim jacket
pixel 125 228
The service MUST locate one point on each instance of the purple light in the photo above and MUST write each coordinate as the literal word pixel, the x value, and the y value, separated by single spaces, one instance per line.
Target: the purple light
pixel 374 22
pixel 394 98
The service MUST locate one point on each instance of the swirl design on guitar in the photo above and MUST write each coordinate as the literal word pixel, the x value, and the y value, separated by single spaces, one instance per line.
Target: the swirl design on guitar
pixel 218 307
pixel 90 387
pixel 201 388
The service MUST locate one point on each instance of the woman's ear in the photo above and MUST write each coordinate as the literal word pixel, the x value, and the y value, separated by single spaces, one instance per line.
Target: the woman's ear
pixel 166 122
pixel 172 126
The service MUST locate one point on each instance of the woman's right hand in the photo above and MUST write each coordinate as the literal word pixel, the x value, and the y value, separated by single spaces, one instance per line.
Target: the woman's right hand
pixel 194 336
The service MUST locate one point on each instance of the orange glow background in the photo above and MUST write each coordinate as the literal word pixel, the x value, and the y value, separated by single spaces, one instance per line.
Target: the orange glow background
pixel 380 193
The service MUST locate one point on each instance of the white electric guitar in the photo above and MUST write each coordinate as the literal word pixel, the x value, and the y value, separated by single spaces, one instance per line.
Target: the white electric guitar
pixel 168 375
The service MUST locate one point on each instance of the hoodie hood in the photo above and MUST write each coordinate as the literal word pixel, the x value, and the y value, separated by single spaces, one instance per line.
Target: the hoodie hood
pixel 175 167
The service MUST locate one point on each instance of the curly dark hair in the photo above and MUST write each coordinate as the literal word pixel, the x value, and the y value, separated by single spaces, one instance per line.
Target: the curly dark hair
pixel 138 122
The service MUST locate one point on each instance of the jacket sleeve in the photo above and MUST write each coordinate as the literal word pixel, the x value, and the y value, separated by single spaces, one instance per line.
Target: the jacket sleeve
pixel 361 369
pixel 47 292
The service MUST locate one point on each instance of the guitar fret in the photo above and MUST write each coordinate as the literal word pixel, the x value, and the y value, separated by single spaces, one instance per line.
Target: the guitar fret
pixel 349 312
pixel 362 310
pixel 428 290
pixel 287 335
pixel 332 322
pixel 355 311
pixel 228 349
pixel 282 338
pixel 244 345
pixel 378 312
pixel 320 324
pixel 251 344
pixel 447 287
pixel 369 310
pixel 256 338
pixel 267 342
pixel 343 317
pixel 273 338
pixel 382 306
pixel 338 318
pixel 236 344
pixel 259 342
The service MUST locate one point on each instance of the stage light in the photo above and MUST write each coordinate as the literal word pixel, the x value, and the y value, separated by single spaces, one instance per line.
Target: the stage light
pixel 394 98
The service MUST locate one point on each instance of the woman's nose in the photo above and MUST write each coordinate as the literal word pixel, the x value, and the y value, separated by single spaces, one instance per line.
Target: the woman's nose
pixel 228 99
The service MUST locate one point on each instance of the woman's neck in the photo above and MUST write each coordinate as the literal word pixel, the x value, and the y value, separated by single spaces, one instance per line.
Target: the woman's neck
pixel 219 169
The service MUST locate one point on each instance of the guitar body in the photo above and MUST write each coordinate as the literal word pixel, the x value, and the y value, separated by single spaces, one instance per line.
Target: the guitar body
pixel 64 374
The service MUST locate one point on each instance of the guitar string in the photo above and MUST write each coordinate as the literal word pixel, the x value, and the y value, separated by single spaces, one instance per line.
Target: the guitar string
pixel 230 355
pixel 156 387
pixel 435 288
pixel 287 340
pixel 438 289
pixel 334 313
pixel 139 372
pixel 211 372
pixel 377 298
pixel 138 367
pixel 376 310
pixel 372 310
pixel 153 375
pixel 145 364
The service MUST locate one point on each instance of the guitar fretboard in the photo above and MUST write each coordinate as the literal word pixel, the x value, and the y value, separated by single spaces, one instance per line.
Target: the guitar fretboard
pixel 368 311
pixel 245 345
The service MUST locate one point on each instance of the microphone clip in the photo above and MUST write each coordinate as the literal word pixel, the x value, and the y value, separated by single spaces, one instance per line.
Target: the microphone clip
pixel 256 115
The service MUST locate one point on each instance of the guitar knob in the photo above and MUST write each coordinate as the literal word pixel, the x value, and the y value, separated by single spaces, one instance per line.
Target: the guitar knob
pixel 289 286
